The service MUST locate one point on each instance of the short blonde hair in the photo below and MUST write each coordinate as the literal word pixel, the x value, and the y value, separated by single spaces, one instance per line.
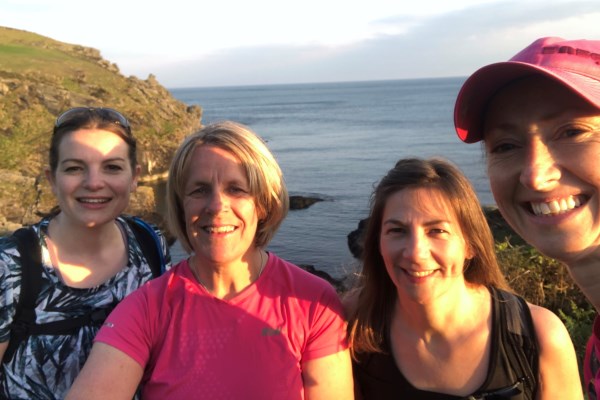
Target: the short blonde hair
pixel 265 178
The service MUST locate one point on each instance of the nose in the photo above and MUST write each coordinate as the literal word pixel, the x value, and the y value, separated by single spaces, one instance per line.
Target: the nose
pixel 93 180
pixel 216 202
pixel 416 247
pixel 540 170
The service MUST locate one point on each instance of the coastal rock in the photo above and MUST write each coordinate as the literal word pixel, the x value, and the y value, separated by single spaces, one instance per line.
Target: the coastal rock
pixel 338 284
pixel 302 202
pixel 354 239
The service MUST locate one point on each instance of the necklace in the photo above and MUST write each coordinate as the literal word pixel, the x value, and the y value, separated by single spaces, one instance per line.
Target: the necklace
pixel 260 270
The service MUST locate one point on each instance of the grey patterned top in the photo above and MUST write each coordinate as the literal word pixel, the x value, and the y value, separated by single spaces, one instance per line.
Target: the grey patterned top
pixel 44 366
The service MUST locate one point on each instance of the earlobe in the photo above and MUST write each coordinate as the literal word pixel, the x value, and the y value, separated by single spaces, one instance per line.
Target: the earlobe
pixel 470 254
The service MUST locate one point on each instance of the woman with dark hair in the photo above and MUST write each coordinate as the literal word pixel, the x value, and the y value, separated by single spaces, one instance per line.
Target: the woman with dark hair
pixel 433 317
pixel 88 256
pixel 233 321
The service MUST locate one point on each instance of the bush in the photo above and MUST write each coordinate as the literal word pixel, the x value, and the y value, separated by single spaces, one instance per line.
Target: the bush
pixel 546 282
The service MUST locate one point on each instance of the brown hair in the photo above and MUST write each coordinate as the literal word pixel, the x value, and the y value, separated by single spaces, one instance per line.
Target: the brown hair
pixel 264 177
pixel 371 316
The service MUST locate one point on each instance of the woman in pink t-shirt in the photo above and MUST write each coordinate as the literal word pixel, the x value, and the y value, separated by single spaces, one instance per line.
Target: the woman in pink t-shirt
pixel 538 116
pixel 233 320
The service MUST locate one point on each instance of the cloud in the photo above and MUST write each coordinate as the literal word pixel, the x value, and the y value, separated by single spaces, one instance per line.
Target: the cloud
pixel 454 43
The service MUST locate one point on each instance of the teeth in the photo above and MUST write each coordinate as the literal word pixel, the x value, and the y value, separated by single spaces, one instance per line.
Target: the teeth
pixel 93 201
pixel 556 206
pixel 219 229
pixel 420 274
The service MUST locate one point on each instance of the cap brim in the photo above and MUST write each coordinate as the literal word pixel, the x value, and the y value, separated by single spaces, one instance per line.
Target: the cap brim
pixel 479 88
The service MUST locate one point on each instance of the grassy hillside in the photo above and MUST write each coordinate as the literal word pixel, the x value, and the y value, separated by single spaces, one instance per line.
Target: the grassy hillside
pixel 41 77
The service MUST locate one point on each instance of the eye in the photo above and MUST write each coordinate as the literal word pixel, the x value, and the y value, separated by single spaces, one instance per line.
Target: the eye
pixel 198 191
pixel 70 169
pixel 572 132
pixel 438 231
pixel 395 230
pixel 114 168
pixel 237 190
pixel 501 148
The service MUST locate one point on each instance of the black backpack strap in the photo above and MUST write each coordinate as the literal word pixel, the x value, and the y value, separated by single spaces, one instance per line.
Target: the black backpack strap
pixel 523 352
pixel 31 282
pixel 149 243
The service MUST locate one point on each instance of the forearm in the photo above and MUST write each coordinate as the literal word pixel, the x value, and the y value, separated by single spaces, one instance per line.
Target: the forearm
pixel 107 373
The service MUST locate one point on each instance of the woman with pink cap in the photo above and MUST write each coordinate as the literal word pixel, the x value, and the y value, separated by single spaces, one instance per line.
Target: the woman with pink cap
pixel 538 116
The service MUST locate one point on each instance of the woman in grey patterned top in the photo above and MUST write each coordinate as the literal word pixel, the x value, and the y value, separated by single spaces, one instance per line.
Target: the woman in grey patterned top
pixel 90 256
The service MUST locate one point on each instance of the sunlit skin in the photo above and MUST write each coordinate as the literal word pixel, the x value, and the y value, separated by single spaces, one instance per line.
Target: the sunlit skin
pixel 220 213
pixel 543 148
pixel 422 245
pixel 93 183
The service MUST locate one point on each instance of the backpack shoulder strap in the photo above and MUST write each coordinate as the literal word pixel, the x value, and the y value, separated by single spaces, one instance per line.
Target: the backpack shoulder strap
pixel 523 351
pixel 149 243
pixel 31 282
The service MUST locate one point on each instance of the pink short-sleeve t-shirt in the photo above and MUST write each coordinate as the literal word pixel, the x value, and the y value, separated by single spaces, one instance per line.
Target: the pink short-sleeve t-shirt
pixel 193 345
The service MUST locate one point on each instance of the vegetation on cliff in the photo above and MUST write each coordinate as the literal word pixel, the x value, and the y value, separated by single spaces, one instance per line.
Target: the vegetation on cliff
pixel 42 77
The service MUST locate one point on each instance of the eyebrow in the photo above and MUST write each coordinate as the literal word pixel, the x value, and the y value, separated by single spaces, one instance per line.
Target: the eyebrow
pixel 428 223
pixel 81 161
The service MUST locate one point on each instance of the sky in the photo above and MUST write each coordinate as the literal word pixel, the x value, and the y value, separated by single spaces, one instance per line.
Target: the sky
pixel 187 43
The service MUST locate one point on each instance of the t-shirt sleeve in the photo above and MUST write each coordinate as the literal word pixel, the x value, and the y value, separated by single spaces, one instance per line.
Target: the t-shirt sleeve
pixel 128 328
pixel 591 369
pixel 328 326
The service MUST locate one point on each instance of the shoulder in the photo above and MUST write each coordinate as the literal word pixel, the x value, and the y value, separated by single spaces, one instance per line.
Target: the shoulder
pixel 172 281
pixel 550 330
pixel 147 237
pixel 10 246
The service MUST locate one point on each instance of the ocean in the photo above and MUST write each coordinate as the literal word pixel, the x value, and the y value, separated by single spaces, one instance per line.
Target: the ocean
pixel 335 141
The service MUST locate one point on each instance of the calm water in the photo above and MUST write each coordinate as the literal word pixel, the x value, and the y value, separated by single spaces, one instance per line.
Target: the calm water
pixel 336 141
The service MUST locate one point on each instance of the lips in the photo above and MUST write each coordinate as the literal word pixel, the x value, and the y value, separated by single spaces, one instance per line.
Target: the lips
pixel 556 207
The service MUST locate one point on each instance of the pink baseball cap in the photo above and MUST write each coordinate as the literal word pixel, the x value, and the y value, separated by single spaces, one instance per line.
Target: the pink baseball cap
pixel 573 63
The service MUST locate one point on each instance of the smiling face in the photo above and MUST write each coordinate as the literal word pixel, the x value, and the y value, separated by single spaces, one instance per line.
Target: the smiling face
pixel 422 245
pixel 93 179
pixel 220 213
pixel 543 146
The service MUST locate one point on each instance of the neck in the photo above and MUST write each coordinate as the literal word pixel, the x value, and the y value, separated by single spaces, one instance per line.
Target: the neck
pixel 439 318
pixel 226 281
pixel 85 257
pixel 585 272
pixel 66 235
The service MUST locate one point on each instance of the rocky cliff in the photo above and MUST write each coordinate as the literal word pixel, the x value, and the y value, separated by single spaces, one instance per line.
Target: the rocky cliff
pixel 40 78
